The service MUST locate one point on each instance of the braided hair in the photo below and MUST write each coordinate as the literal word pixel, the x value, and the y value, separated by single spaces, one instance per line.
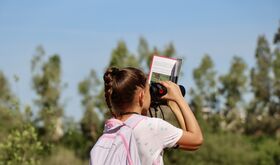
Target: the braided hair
pixel 120 86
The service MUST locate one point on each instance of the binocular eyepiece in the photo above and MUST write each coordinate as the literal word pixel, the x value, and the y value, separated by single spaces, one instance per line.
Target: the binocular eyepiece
pixel 157 90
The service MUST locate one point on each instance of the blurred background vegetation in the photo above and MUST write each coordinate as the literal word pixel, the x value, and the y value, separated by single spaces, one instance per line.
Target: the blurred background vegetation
pixel 239 111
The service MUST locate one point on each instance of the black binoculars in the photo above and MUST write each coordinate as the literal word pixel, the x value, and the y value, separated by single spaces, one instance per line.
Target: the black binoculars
pixel 157 90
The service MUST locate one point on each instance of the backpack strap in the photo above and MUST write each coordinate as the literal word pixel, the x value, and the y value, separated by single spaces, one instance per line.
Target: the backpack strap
pixel 134 120
pixel 112 125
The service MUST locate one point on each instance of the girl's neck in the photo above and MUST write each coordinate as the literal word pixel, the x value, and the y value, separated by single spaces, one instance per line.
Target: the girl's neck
pixel 126 114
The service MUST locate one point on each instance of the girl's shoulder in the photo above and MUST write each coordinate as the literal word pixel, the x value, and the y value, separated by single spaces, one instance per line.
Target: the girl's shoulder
pixel 151 123
pixel 152 120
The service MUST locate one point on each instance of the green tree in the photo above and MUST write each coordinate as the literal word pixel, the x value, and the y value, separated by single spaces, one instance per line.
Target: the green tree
pixel 274 106
pixel 6 95
pixel 18 138
pixel 276 39
pixel 261 118
pixel 276 72
pixel 10 116
pixel 90 122
pixel 144 54
pixel 233 86
pixel 121 57
pixel 261 80
pixel 234 83
pixel 47 84
pixel 205 93
pixel 169 50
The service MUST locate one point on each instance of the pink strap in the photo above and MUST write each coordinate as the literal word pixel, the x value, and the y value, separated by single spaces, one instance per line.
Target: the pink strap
pixel 112 136
pixel 126 148
pixel 108 136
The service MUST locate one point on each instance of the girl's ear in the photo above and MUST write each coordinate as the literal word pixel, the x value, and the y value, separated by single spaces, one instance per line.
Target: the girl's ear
pixel 141 97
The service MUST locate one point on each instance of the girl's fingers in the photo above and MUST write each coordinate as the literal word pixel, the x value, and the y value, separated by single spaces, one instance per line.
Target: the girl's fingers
pixel 167 84
pixel 171 88
pixel 164 83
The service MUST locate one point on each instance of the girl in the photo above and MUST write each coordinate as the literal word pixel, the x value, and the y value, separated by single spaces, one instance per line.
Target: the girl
pixel 127 94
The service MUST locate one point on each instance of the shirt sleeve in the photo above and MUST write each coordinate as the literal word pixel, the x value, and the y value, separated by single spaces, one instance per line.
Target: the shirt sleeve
pixel 168 134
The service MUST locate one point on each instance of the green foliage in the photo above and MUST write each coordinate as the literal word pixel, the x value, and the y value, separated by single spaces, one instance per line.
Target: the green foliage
pixel 169 51
pixel 19 143
pixel 218 148
pixel 233 87
pixel 262 124
pixel 5 93
pixel 262 115
pixel 204 75
pixel 10 116
pixel 268 151
pixel 8 101
pixel 21 147
pixel 205 93
pixel 121 57
pixel 47 84
pixel 276 39
pixel 63 155
pixel 89 89
pixel 261 80
pixel 224 149
pixel 276 71
pixel 275 106
pixel 90 122
pixel 9 119
pixel 144 54
pixel 75 140
pixel 234 83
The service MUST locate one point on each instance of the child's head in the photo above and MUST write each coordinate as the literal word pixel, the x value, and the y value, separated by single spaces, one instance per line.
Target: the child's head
pixel 125 89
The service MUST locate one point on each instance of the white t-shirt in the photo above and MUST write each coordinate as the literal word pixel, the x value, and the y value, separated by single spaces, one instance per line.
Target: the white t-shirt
pixel 152 136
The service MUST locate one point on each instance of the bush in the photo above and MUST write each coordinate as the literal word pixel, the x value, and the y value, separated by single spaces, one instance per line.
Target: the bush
pixel 268 151
pixel 63 156
pixel 221 148
pixel 21 147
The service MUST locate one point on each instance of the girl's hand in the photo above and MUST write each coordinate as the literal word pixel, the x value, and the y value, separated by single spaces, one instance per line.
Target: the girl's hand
pixel 173 91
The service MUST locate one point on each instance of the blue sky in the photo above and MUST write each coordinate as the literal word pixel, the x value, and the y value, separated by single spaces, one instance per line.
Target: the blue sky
pixel 84 33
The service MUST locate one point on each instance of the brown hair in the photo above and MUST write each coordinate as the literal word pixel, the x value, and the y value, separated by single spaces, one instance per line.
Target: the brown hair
pixel 120 86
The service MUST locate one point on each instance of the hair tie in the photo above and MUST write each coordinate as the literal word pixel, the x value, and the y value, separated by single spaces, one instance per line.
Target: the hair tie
pixel 115 71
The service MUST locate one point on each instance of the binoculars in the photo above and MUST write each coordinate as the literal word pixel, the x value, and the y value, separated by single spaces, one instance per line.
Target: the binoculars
pixel 157 90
